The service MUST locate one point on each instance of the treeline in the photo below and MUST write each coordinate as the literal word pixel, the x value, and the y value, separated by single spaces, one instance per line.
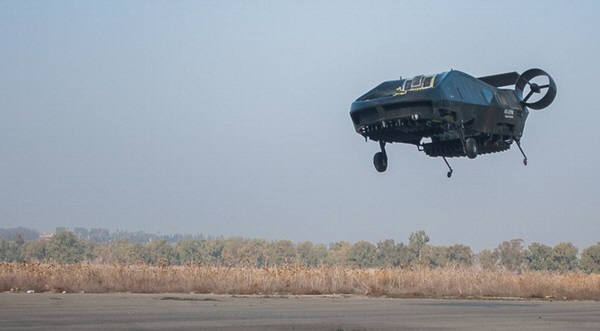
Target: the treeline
pixel 100 235
pixel 25 233
pixel 66 247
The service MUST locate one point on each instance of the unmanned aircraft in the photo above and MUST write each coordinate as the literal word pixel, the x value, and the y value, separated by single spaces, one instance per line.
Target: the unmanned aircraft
pixel 451 114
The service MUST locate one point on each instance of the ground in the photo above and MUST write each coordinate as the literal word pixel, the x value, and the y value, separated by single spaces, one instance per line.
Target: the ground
pixel 221 312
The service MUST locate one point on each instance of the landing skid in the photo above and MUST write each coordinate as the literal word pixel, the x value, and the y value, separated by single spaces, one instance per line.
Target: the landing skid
pixel 518 141
pixel 450 171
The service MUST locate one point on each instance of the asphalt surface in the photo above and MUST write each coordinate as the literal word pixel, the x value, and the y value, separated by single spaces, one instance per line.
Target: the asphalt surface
pixel 212 312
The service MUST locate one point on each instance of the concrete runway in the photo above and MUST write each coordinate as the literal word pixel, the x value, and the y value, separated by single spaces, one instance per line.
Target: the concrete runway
pixel 215 312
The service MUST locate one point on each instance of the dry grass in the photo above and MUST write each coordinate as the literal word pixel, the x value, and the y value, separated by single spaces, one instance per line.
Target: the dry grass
pixel 458 282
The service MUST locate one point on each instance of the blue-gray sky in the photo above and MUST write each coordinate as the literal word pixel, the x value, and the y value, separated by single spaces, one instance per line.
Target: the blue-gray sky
pixel 231 118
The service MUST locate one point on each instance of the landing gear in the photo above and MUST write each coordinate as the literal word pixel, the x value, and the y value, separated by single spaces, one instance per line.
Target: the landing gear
pixel 380 160
pixel 471 148
pixel 469 145
pixel 450 171
pixel 518 141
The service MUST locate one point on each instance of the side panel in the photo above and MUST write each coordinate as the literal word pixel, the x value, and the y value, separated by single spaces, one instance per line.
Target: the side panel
pixel 505 116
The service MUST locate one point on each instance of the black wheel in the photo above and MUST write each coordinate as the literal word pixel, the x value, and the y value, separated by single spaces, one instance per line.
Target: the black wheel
pixel 380 161
pixel 471 148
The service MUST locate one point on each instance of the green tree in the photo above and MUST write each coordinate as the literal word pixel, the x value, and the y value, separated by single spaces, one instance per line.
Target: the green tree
pixel 338 253
pixel 405 256
pixel 254 253
pixel 460 254
pixel 319 254
pixel 362 254
pixel 19 241
pixel 103 254
pixel 15 248
pixel 488 259
pixel 65 247
pixel 122 252
pixel 161 253
pixel 304 250
pixel 188 252
pixel 211 251
pixel 511 254
pixel 310 254
pixel 564 257
pixel 388 253
pixel 139 253
pixel 231 251
pixel 35 250
pixel 6 251
pixel 538 257
pixel 281 252
pixel 590 259
pixel 434 256
pixel 416 243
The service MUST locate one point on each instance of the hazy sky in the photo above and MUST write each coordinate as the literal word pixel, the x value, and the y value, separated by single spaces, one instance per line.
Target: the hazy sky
pixel 231 118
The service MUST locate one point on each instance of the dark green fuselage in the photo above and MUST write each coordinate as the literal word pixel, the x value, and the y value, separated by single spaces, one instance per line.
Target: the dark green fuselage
pixel 441 107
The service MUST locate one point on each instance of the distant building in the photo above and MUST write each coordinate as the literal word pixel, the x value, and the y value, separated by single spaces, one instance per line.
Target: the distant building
pixel 46 236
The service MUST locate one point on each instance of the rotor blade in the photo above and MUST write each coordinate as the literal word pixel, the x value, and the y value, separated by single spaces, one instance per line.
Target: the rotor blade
pixel 528 96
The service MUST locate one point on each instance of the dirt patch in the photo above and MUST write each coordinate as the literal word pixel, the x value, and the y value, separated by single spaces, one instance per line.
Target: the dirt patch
pixel 188 299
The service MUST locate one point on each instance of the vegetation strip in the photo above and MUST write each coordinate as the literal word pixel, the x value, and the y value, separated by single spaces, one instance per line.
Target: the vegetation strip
pixel 442 282
pixel 68 247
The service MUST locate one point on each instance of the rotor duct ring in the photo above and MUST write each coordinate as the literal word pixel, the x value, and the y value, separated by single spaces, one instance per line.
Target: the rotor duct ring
pixel 525 79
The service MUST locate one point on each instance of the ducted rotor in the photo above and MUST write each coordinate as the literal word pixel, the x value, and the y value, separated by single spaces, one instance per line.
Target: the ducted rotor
pixel 526 83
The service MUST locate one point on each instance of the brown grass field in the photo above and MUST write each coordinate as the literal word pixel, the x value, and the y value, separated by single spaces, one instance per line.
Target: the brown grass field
pixel 448 282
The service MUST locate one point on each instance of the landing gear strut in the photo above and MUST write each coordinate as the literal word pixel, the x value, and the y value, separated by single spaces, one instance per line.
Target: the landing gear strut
pixel 518 141
pixel 380 158
pixel 469 145
pixel 450 171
